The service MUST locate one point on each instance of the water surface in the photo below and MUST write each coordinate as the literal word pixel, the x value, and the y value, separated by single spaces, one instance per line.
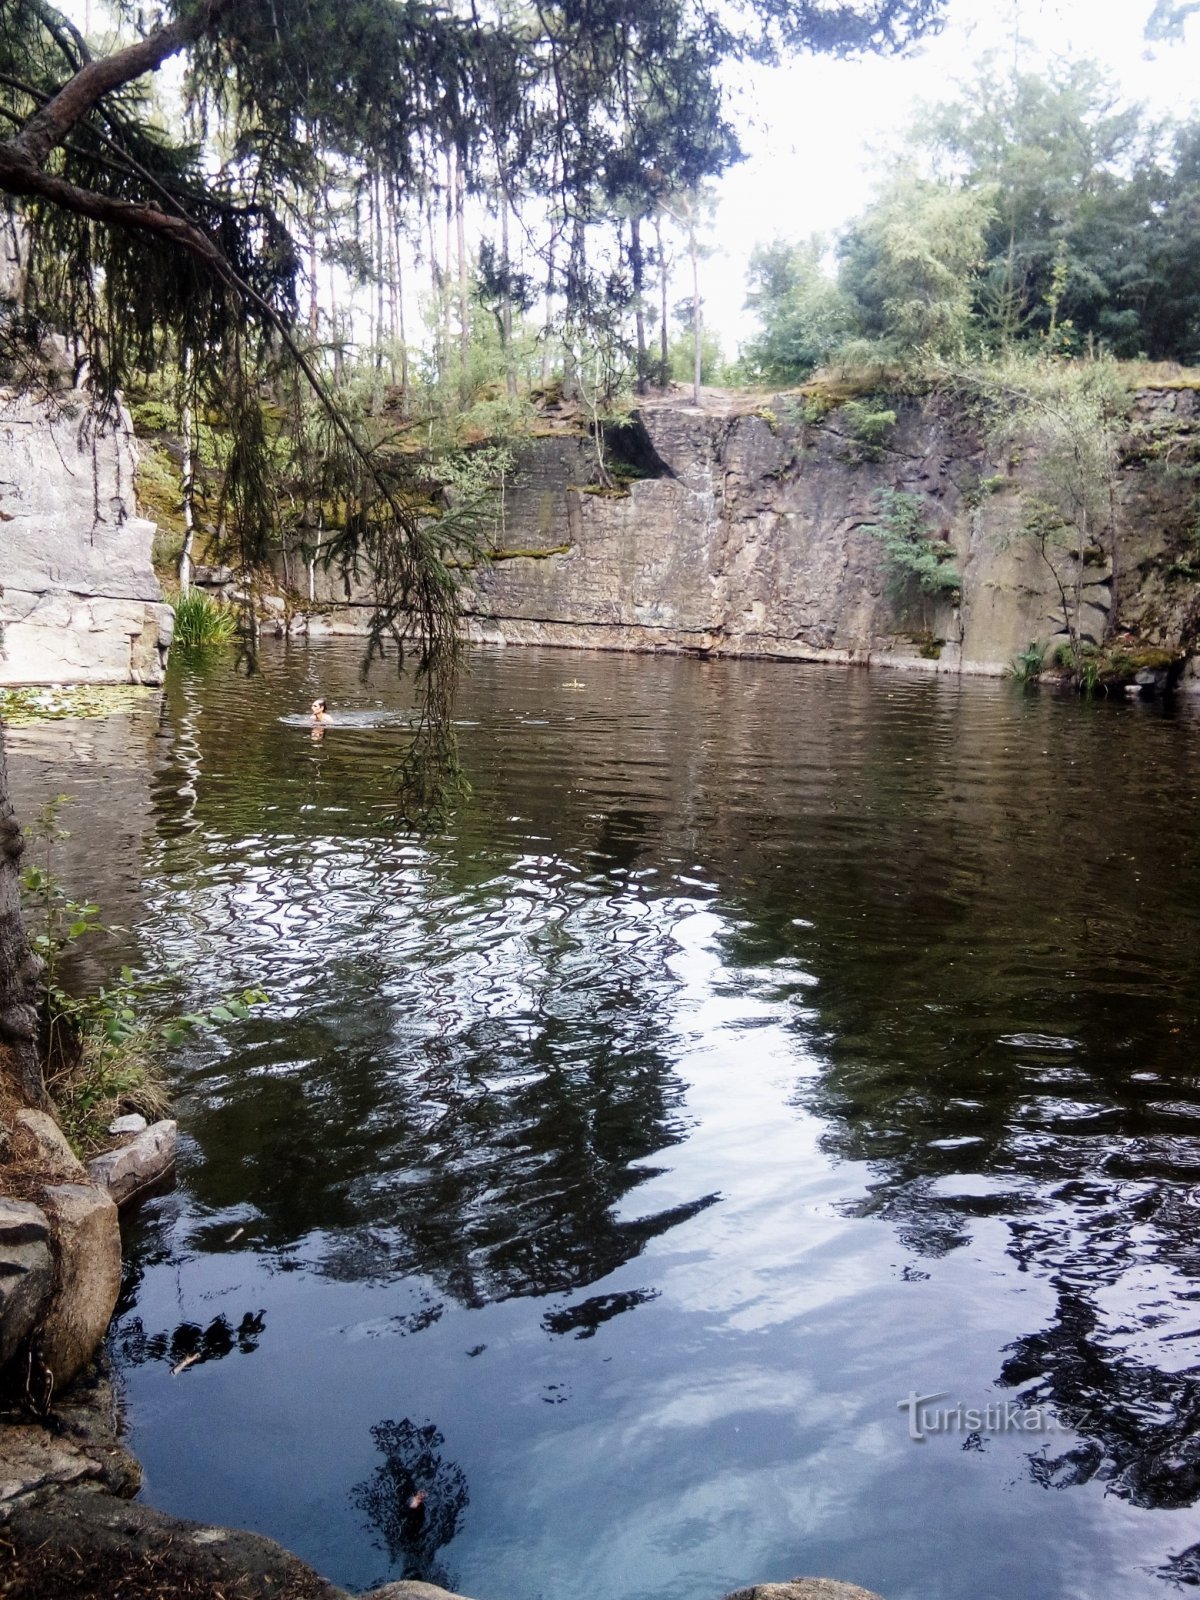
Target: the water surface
pixel 760 1044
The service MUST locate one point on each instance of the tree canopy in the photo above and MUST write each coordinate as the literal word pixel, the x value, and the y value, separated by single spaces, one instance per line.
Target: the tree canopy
pixel 1033 208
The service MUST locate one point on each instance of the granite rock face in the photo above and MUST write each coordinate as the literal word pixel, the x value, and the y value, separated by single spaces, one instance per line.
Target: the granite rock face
pixel 805 1589
pixel 80 601
pixel 45 1141
pixel 78 1444
pixel 145 1161
pixel 749 537
pixel 26 1273
pixel 88 1242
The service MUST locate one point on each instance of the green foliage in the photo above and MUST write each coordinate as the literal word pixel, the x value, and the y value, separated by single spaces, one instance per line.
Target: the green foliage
pixel 908 264
pixel 104 1047
pixel 811 411
pixel 202 621
pixel 1084 663
pixel 713 368
pixel 867 426
pixel 1090 666
pixel 460 395
pixel 1031 209
pixel 918 565
pixel 1027 666
pixel 1093 236
pixel 804 317
pixel 476 480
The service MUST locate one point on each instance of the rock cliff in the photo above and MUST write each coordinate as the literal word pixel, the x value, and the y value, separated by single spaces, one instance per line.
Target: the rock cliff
pixel 79 601
pixel 734 529
pixel 739 531
pixel 750 540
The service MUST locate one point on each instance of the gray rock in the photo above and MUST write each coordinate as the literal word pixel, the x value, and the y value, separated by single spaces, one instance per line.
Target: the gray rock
pixel 138 1165
pixel 752 542
pixel 26 1273
pixel 32 1458
pixel 805 1589
pixel 81 603
pixel 133 1123
pixel 79 1442
pixel 87 1244
pixel 53 1149
pixel 411 1589
pixel 89 1535
pixel 212 577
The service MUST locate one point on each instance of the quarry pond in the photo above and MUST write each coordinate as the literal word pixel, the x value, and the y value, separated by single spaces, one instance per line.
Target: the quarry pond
pixel 760 1135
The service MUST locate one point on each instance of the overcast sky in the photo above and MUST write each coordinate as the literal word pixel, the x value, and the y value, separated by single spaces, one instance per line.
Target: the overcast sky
pixel 815 130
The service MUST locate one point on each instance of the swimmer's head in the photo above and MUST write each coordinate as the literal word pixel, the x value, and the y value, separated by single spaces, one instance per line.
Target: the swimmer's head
pixel 319 709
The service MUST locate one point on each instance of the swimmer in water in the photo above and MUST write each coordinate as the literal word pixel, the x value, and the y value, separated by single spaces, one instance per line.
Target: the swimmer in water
pixel 320 711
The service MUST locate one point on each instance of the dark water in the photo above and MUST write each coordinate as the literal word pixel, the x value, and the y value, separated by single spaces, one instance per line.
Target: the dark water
pixel 761 1044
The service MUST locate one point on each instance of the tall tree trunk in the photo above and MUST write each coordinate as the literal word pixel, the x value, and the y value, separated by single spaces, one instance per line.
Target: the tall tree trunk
pixel 435 278
pixel 398 253
pixel 19 967
pixel 335 328
pixel 663 280
pixel 576 291
pixel 189 480
pixel 393 270
pixel 548 329
pixel 314 312
pixel 448 274
pixel 464 286
pixel 637 268
pixel 369 271
pixel 506 307
pixel 697 309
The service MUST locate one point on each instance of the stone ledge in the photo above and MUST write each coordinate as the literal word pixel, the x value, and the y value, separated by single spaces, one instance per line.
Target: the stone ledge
pixel 141 1164
pixel 805 1589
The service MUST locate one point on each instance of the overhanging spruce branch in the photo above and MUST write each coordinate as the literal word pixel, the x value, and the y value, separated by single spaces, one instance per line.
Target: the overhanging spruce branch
pixel 23 174
pixel 50 123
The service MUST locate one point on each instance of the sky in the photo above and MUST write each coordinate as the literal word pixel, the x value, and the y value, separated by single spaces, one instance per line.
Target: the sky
pixel 817 130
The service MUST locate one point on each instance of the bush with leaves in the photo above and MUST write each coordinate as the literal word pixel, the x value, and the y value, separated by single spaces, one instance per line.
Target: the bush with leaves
pixel 1064 420
pixel 919 565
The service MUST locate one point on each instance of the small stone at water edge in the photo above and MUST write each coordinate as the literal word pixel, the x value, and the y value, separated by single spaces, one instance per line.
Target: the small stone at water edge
pixel 130 1124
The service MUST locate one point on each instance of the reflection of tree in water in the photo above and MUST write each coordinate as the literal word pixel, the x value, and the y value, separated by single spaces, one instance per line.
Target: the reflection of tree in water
pixel 189 1342
pixel 470 1067
pixel 1004 1002
pixel 584 1319
pixel 474 1104
pixel 415 1499
pixel 1083 1165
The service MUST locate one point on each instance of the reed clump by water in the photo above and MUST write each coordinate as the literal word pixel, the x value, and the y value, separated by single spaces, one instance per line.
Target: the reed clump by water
pixel 202 621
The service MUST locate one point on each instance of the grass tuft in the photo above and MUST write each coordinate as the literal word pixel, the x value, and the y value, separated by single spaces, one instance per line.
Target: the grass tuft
pixel 201 621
